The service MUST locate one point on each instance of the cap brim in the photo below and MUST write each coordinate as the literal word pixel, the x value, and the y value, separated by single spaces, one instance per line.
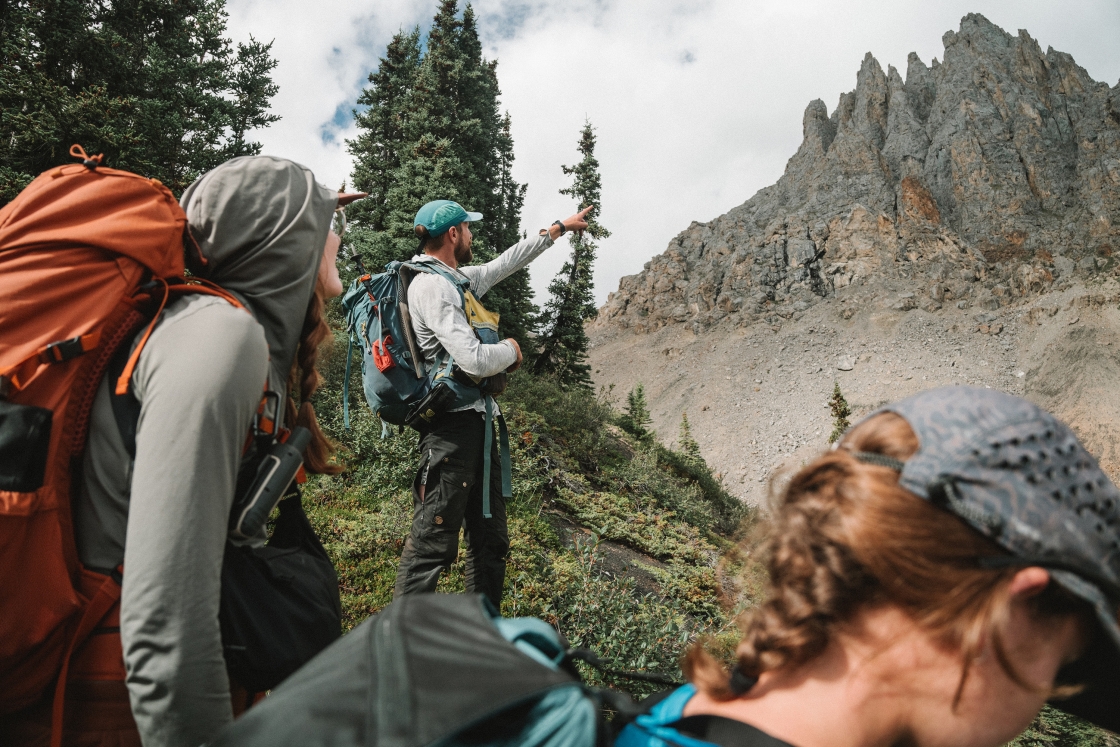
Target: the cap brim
pixel 474 216
pixel 1099 667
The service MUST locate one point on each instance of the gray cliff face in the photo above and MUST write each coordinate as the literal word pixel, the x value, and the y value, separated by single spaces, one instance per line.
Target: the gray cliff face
pixel 984 178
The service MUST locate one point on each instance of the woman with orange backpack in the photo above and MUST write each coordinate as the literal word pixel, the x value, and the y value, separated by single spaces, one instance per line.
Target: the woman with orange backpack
pixel 170 426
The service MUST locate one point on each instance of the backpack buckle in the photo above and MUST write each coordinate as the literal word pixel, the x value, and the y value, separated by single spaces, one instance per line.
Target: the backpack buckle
pixel 65 350
pixel 264 426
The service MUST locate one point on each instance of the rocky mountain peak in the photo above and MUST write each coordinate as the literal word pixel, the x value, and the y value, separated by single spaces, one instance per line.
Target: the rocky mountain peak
pixel 975 181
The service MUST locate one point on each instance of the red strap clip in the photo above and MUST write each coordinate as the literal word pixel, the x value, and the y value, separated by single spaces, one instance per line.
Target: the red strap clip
pixel 382 358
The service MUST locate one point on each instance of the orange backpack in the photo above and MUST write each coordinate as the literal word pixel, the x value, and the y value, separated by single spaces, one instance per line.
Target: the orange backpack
pixel 88 255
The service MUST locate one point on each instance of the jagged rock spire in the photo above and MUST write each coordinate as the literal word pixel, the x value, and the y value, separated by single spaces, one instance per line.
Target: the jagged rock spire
pixel 984 177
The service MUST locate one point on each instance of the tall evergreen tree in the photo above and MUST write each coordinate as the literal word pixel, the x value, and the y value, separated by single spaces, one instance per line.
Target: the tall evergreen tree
pixel 377 149
pixel 563 345
pixel 434 129
pixel 153 84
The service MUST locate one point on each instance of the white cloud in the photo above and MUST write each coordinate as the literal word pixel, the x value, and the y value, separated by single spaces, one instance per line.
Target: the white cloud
pixel 697 105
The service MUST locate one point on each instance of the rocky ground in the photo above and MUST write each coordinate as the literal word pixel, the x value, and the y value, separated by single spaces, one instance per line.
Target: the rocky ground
pixel 757 396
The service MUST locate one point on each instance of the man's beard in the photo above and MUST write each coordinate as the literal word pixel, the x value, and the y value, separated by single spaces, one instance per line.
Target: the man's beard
pixel 463 253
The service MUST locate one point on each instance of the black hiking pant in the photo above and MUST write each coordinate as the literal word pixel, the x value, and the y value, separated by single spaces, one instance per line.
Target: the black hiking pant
pixel 451 454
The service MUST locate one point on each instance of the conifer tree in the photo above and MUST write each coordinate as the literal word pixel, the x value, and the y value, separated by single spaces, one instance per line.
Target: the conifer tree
pixel 687 444
pixel 637 419
pixel 377 148
pixel 840 413
pixel 154 86
pixel 563 345
pixel 433 130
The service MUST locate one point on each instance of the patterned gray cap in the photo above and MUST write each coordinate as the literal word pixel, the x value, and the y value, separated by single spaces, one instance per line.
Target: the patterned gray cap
pixel 1021 477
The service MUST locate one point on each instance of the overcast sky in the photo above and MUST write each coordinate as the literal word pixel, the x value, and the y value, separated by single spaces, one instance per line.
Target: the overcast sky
pixel 697 103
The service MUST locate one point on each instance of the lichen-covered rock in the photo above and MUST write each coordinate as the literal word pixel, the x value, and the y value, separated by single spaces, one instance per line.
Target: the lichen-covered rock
pixel 985 177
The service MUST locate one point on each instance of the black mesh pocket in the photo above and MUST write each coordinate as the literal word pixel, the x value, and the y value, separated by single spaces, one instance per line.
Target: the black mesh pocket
pixel 25 439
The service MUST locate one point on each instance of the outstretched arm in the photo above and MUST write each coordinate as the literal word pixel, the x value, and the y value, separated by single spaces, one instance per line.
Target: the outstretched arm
pixel 484 277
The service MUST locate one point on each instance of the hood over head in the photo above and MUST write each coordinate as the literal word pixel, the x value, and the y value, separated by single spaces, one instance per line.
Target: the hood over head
pixel 261 223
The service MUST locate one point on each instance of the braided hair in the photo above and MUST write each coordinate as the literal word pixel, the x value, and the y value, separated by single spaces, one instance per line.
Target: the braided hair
pixel 844 536
pixel 304 379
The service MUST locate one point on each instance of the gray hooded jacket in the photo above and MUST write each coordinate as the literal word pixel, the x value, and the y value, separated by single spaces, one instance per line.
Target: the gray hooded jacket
pixel 261 223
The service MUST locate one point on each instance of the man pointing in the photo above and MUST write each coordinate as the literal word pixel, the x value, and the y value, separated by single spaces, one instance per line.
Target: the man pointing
pixel 448 488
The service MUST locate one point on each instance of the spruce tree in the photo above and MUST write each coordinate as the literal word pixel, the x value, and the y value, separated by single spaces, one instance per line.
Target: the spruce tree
pixel 153 85
pixel 434 129
pixel 687 445
pixel 563 344
pixel 377 148
pixel 840 413
pixel 637 419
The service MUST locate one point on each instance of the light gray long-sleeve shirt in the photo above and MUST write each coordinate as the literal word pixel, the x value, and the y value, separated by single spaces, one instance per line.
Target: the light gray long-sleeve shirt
pixel 440 324
pixel 199 381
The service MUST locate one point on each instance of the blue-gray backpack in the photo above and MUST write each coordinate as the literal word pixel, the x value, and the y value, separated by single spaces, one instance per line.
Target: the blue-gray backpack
pixel 394 374
pixel 399 387
pixel 436 670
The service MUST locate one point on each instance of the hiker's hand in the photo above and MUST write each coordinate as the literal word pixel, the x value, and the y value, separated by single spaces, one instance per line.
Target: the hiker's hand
pixel 517 348
pixel 575 222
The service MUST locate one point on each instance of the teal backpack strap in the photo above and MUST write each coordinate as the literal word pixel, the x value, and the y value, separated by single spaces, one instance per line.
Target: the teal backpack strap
pixel 503 446
pixel 436 268
pixel 653 729
pixel 442 369
pixel 346 384
pixel 487 444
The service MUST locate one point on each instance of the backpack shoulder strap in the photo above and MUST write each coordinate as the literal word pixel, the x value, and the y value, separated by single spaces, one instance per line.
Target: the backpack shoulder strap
pixel 725 732
pixel 664 722
pixel 126 408
pixel 436 268
pixel 178 286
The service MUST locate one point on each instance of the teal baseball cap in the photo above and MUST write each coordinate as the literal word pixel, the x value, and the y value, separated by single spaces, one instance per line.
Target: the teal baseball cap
pixel 439 215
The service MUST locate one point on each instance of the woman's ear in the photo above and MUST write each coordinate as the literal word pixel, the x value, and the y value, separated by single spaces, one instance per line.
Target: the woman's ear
pixel 1029 582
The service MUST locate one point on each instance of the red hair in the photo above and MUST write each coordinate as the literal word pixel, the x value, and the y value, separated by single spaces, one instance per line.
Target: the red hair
pixel 845 536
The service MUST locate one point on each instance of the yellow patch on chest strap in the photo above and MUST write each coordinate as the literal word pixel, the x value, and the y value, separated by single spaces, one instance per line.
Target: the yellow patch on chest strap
pixel 477 314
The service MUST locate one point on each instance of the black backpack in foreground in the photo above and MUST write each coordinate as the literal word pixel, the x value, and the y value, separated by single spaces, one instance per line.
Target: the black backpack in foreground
pixel 434 669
